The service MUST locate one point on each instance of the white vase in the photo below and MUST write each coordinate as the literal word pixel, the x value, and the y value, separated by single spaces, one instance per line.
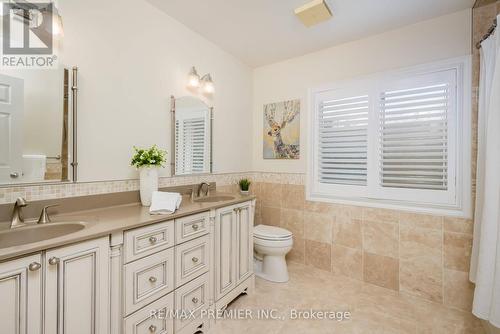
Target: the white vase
pixel 148 184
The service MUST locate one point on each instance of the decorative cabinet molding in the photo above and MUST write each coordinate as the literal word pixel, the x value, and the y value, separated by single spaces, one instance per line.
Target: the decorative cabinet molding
pixel 21 289
pixel 77 288
pixel 73 297
pixel 244 242
pixel 225 250
pixel 148 279
pixel 233 239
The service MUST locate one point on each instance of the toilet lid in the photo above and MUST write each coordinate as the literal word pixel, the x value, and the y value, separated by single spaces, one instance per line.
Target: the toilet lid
pixel 271 232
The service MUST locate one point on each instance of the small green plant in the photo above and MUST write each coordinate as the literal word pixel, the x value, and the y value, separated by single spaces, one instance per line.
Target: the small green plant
pixel 244 184
pixel 148 157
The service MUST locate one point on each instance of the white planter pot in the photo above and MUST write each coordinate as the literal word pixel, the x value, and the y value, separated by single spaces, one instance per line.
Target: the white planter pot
pixel 148 183
pixel 245 192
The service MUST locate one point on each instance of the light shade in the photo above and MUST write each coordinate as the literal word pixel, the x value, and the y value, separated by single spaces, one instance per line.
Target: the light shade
pixel 57 26
pixel 207 84
pixel 193 78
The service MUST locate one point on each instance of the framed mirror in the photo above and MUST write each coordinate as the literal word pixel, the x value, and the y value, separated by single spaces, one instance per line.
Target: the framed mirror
pixel 191 136
pixel 37 126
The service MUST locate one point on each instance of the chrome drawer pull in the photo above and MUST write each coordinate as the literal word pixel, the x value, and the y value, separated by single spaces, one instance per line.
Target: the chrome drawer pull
pixel 195 227
pixel 194 259
pixel 34 266
pixel 152 328
pixel 152 279
pixel 54 260
pixel 195 300
pixel 153 240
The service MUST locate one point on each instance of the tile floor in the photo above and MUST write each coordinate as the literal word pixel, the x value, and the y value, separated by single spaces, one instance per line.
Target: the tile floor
pixel 372 309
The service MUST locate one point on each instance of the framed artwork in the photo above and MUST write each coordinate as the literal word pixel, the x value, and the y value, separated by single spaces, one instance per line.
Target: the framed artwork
pixel 281 136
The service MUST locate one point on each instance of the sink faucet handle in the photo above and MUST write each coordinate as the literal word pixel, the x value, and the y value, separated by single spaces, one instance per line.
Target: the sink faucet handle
pixel 21 202
pixel 17 214
pixel 44 216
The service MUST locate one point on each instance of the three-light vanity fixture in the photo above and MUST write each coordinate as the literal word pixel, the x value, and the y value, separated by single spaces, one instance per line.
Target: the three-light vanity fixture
pixel 205 82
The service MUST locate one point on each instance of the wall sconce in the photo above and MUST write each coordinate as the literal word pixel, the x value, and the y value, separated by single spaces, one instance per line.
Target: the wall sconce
pixel 205 83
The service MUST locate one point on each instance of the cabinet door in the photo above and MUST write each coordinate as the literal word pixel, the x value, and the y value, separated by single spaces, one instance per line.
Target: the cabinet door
pixel 21 295
pixel 77 288
pixel 225 250
pixel 244 266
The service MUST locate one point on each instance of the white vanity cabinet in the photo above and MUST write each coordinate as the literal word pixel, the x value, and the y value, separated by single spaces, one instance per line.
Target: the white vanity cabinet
pixel 72 298
pixel 77 288
pixel 21 295
pixel 133 281
pixel 233 241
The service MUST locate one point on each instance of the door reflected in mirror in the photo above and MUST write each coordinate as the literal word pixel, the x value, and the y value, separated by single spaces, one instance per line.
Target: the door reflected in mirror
pixel 192 136
pixel 35 134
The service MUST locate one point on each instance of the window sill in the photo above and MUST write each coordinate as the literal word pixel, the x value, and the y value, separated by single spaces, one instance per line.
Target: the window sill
pixel 423 208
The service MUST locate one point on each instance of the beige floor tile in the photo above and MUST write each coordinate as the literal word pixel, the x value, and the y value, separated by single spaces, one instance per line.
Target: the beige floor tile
pixel 373 309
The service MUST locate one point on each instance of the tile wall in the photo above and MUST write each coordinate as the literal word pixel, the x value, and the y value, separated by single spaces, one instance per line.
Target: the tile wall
pixel 421 255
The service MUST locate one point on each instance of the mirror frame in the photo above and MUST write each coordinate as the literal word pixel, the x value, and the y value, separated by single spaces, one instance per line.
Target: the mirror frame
pixel 172 137
pixel 73 147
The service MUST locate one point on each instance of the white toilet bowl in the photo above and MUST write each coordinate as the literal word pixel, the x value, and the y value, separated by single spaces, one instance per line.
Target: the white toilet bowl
pixel 271 244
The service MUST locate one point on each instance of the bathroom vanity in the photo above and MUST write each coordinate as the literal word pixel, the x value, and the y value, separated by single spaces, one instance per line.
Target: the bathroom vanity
pixel 128 272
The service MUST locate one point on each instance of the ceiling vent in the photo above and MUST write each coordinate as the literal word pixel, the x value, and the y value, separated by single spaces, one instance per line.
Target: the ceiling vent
pixel 313 12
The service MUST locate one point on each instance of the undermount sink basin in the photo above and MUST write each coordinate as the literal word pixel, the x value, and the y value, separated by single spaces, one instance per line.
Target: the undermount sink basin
pixel 215 198
pixel 33 233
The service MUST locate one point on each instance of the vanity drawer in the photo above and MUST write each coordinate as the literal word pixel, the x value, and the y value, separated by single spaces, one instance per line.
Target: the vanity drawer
pixel 144 241
pixel 191 299
pixel 155 318
pixel 191 260
pixel 148 279
pixel 191 227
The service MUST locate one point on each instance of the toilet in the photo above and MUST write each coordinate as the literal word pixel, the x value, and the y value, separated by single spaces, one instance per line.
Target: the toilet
pixel 271 244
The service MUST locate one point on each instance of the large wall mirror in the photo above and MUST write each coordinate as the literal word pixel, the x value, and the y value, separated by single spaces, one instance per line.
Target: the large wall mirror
pixel 37 128
pixel 192 136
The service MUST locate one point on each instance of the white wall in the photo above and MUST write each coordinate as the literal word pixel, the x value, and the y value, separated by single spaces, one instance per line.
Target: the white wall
pixel 131 58
pixel 440 38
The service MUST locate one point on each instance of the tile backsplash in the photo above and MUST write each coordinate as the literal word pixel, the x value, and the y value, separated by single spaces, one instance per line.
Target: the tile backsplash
pixel 53 191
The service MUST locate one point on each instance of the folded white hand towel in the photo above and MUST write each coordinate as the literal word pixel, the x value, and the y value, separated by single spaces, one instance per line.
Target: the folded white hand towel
pixel 163 203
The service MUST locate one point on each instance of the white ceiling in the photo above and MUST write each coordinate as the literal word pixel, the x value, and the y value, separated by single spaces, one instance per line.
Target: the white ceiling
pixel 261 32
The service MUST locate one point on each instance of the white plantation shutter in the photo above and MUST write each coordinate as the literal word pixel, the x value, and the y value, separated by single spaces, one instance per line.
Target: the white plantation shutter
pixel 400 139
pixel 343 134
pixel 414 136
pixel 192 148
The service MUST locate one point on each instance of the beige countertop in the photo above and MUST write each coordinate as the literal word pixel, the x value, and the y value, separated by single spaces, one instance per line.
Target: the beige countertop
pixel 105 221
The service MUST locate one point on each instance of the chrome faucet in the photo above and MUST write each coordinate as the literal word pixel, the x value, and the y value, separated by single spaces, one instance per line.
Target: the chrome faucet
pixel 44 216
pixel 200 188
pixel 17 215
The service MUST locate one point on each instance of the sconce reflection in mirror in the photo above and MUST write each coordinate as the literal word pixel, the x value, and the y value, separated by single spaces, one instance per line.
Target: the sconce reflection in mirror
pixel 42 18
pixel 205 83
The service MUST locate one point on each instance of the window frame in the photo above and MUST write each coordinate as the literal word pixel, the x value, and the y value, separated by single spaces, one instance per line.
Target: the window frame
pixel 374 195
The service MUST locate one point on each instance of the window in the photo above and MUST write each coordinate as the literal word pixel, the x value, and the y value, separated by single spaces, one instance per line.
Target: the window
pixel 396 140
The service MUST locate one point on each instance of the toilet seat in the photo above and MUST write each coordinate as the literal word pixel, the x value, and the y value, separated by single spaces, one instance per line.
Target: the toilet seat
pixel 271 233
